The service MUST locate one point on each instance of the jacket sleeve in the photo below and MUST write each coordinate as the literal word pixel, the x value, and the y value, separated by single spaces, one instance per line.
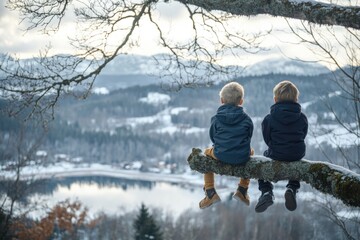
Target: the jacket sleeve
pixel 265 127
pixel 251 129
pixel 306 125
pixel 212 130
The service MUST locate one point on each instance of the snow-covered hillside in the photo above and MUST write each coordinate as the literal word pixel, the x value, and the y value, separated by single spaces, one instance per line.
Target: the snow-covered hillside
pixel 285 66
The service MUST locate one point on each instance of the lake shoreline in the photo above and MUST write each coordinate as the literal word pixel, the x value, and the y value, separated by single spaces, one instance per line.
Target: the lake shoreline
pixel 63 170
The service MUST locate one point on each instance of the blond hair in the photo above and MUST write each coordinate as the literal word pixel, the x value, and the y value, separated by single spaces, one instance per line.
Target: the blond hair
pixel 286 91
pixel 232 93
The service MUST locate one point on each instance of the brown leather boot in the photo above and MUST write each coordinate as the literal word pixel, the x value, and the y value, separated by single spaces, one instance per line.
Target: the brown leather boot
pixel 242 195
pixel 211 197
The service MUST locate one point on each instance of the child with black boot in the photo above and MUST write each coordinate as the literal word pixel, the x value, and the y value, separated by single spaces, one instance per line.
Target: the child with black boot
pixel 230 131
pixel 284 131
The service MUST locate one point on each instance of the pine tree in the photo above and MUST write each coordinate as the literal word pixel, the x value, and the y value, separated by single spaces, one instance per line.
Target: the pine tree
pixel 145 226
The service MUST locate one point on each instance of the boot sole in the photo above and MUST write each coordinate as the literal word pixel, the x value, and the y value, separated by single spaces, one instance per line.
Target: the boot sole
pixel 263 207
pixel 290 201
pixel 241 200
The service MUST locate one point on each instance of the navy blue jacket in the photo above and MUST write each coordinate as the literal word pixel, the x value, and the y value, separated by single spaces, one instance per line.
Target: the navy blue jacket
pixel 231 131
pixel 284 131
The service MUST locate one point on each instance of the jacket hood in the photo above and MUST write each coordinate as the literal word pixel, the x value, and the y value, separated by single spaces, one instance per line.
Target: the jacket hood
pixel 286 112
pixel 230 114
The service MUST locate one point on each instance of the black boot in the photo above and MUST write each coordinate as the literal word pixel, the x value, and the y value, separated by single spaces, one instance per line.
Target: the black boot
pixel 266 200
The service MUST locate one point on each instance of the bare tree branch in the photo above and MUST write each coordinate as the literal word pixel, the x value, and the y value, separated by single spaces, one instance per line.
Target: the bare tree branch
pixel 107 29
pixel 41 13
pixel 341 221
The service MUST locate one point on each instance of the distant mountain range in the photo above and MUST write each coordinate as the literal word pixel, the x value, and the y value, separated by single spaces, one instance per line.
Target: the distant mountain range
pixel 137 70
pixel 148 65
pixel 130 70
pixel 144 65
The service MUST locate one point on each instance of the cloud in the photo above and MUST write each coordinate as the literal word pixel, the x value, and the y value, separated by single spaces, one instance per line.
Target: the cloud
pixel 2 8
pixel 15 40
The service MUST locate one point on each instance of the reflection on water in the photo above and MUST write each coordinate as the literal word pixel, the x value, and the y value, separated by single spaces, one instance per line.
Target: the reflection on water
pixel 115 196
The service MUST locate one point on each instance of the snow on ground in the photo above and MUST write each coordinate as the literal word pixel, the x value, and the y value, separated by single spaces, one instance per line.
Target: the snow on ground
pixel 100 90
pixel 186 130
pixel 332 134
pixel 330 95
pixel 66 169
pixel 156 99
pixel 305 105
pixel 164 123
pixel 178 110
pixel 349 214
pixel 134 122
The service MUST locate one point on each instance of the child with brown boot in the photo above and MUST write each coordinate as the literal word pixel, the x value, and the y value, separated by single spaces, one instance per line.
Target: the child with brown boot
pixel 230 132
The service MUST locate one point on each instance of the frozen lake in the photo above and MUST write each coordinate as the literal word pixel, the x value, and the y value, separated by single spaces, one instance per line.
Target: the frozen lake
pixel 115 196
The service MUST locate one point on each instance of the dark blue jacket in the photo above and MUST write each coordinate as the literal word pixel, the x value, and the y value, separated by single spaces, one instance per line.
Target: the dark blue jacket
pixel 284 131
pixel 231 131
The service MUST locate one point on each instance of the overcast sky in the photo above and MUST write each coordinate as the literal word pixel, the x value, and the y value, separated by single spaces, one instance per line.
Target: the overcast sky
pixel 14 40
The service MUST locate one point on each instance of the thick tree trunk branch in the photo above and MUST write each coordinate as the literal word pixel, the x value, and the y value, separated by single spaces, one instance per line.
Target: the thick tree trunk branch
pixel 327 178
pixel 315 12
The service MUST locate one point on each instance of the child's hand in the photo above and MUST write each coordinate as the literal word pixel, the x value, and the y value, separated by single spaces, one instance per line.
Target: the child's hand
pixel 252 152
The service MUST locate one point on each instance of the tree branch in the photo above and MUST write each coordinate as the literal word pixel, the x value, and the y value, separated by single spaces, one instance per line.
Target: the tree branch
pixel 315 12
pixel 327 178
